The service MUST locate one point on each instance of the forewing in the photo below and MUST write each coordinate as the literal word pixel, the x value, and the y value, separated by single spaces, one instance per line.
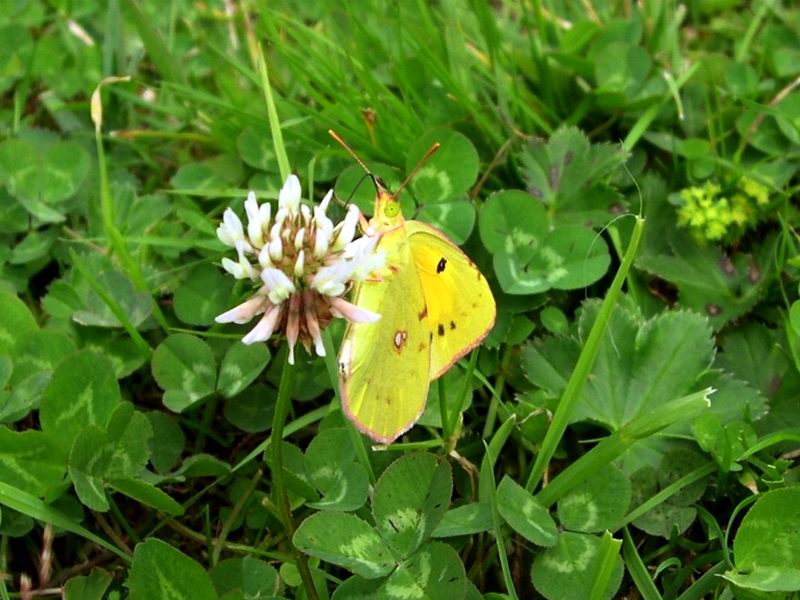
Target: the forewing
pixel 460 305
pixel 384 366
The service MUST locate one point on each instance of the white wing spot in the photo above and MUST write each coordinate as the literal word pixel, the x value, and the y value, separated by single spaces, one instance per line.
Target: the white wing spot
pixel 400 338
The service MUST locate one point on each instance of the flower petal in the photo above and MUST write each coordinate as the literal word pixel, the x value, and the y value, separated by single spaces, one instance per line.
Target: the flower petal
pixel 276 249
pixel 233 223
pixel 312 323
pixel 289 196
pixel 299 238
pixel 251 205
pixel 245 311
pixel 263 330
pixel 293 325
pixel 230 230
pixel 322 237
pixel 342 308
pixel 264 258
pixel 369 266
pixel 323 205
pixel 241 247
pixel 330 280
pixel 255 219
pixel 348 228
pixel 364 245
pixel 232 267
pixel 278 283
pixel 299 264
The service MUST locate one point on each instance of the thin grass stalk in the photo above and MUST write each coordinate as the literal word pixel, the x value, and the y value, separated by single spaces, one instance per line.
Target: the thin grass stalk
pixel 577 380
pixel 488 490
pixel 613 446
pixel 637 569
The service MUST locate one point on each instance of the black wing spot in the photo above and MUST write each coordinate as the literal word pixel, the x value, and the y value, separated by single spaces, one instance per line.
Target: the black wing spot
pixel 442 264
pixel 440 329
pixel 452 325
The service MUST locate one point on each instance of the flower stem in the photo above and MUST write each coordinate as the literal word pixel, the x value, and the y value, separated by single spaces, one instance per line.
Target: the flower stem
pixel 281 497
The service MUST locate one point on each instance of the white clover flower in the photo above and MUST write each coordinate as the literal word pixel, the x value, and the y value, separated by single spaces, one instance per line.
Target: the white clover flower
pixel 304 263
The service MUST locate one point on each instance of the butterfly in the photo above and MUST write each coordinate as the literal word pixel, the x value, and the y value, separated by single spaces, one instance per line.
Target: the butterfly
pixel 435 307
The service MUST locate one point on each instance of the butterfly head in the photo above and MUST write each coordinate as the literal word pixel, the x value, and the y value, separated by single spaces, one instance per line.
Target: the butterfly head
pixel 387 214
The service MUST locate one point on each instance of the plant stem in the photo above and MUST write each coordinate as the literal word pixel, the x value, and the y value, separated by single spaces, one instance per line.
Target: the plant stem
pixel 491 415
pixel 281 497
pixel 442 389
pixel 465 390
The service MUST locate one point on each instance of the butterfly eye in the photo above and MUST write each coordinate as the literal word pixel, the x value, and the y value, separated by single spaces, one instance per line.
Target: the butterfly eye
pixel 392 209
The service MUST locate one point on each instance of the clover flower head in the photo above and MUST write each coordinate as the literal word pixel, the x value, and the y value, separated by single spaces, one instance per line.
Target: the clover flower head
pixel 301 265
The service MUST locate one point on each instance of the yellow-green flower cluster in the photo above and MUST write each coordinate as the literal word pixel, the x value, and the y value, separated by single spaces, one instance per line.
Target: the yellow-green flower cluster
pixel 715 217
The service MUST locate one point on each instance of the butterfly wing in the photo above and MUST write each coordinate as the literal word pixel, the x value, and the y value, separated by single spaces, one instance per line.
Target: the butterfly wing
pixel 383 366
pixel 461 308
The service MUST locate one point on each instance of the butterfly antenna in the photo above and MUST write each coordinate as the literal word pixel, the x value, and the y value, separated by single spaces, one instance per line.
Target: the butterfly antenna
pixel 352 152
pixel 358 185
pixel 431 151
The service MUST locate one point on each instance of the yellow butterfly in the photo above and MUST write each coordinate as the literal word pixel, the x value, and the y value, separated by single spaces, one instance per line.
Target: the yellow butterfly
pixel 435 307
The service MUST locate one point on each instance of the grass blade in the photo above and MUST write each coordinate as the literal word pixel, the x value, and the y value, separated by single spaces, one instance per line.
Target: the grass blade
pixel 578 378
pixel 26 504
pixel 156 47
pixel 609 550
pixel 613 446
pixel 666 493
pixel 637 569
pixel 488 487
pixel 707 583
pixel 274 123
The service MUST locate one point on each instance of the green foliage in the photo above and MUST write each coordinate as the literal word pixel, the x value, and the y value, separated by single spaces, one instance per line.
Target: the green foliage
pixel 247 578
pixel 766 547
pixel 525 514
pixel 136 432
pixel 185 367
pixel 530 256
pixel 159 570
pixel 331 466
pixel 567 569
pixel 598 503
